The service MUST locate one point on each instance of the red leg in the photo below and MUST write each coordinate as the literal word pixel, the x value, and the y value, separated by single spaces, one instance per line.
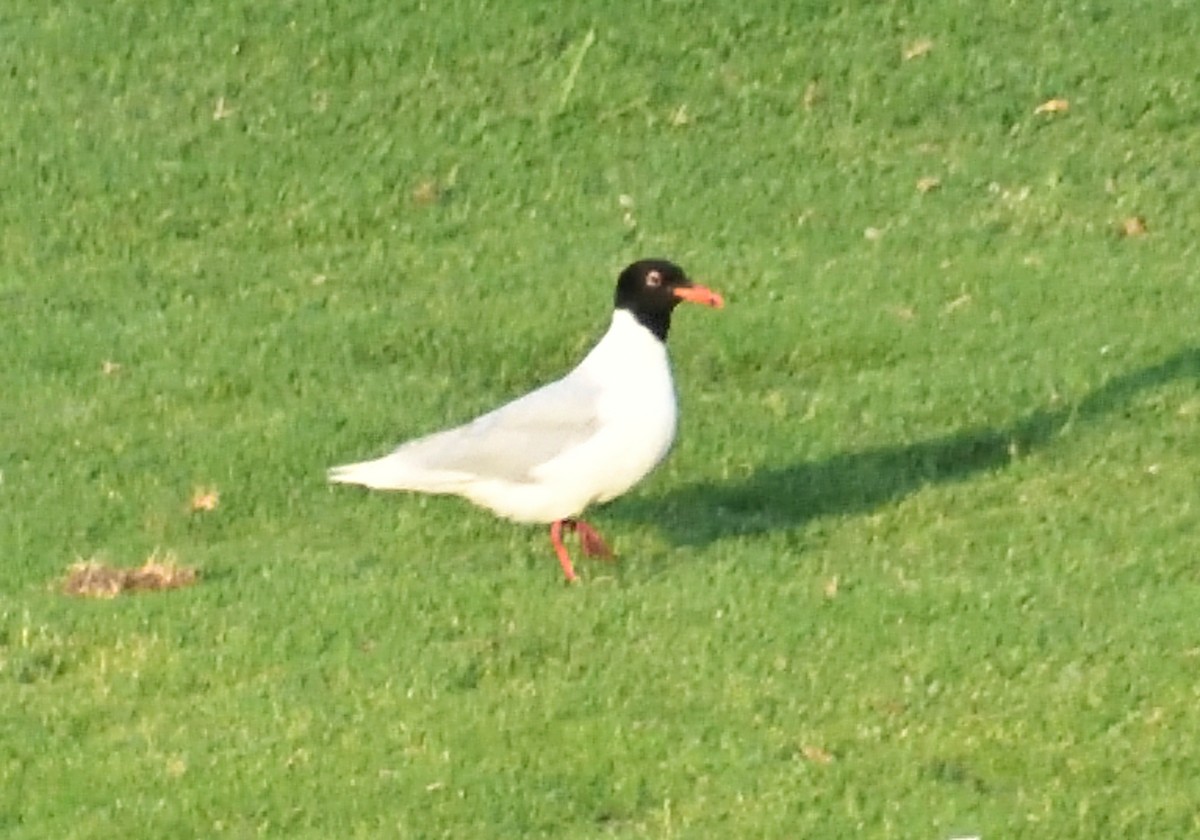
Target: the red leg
pixel 593 544
pixel 561 550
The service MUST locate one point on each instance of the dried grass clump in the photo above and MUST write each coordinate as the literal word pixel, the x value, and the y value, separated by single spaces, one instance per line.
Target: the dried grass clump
pixel 93 579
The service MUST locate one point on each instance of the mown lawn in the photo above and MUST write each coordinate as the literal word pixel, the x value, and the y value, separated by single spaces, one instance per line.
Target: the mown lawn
pixel 923 563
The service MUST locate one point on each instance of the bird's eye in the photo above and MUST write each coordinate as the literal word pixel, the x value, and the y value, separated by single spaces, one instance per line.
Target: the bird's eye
pixel 653 279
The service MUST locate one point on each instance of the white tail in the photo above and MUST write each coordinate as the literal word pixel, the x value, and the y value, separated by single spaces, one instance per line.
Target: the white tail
pixel 396 472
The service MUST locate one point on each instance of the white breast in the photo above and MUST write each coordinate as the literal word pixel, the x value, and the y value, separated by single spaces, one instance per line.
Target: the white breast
pixel 637 411
pixel 630 371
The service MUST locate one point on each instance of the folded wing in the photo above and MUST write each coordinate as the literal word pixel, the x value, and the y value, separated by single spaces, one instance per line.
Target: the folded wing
pixel 506 444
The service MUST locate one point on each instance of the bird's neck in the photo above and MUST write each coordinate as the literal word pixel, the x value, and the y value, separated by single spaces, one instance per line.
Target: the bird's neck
pixel 658 323
pixel 628 347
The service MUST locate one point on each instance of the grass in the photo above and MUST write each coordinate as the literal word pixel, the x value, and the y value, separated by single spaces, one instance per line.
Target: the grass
pixel 922 563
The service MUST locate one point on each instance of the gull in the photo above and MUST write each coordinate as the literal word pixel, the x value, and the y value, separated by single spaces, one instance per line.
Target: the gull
pixel 583 439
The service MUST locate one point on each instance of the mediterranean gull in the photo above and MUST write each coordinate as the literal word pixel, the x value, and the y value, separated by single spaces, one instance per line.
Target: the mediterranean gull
pixel 587 437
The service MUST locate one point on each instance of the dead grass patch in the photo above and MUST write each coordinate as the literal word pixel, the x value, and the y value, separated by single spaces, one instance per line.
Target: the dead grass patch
pixel 94 579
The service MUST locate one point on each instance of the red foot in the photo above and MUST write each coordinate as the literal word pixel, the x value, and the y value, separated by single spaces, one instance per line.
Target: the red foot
pixel 593 544
pixel 589 539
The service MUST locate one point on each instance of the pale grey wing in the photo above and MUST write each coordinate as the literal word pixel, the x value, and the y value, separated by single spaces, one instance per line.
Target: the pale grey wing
pixel 512 441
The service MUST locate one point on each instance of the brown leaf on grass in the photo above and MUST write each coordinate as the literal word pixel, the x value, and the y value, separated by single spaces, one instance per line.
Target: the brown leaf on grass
pixel 817 755
pixel 93 579
pixel 812 95
pixel 426 192
pixel 928 184
pixel 204 498
pixel 434 189
pixel 1053 106
pixel 1132 227
pixel 110 368
pixel 917 48
pixel 831 587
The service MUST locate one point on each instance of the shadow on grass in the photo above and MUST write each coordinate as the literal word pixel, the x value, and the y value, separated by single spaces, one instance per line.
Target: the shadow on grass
pixel 786 497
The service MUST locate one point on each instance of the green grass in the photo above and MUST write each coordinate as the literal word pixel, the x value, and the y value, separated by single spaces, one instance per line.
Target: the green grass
pixel 922 563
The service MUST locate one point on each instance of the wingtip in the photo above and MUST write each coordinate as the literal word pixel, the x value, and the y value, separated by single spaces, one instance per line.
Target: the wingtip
pixel 339 475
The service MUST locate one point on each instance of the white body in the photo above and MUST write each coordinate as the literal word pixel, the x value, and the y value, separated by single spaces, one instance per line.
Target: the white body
pixel 585 438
